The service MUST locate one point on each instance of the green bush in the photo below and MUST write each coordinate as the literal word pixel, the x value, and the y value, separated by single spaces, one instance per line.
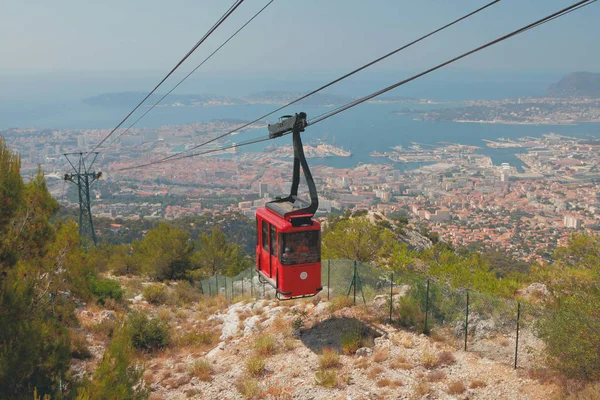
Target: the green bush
pixel 117 376
pixel 571 336
pixel 148 333
pixel 155 294
pixel 106 289
pixel 409 313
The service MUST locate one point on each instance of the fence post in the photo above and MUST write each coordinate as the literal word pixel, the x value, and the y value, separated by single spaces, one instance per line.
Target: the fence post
pixel 263 289
pixel 232 294
pixel 242 286
pixel 391 295
pixel 201 288
pixel 209 289
pixel 426 307
pixel 355 281
pixel 328 276
pixel 251 283
pixel 517 341
pixel 217 283
pixel 467 321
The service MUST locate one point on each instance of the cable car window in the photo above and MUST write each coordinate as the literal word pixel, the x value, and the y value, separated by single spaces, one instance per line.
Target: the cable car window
pixel 265 235
pixel 273 241
pixel 300 247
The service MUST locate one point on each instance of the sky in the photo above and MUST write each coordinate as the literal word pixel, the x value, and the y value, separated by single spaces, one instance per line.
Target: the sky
pixel 131 42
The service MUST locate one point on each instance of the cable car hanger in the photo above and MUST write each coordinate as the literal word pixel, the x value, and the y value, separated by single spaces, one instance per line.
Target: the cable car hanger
pixel 292 206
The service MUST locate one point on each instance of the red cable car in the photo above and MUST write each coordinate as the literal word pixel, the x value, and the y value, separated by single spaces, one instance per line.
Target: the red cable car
pixel 288 245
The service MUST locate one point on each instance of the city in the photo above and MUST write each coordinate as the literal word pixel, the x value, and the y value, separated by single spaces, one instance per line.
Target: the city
pixel 454 191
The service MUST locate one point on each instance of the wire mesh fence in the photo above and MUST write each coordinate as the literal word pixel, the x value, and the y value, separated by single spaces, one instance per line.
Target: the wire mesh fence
pixel 496 328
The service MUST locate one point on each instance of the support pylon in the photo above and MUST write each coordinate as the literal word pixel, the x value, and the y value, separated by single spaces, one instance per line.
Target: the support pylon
pixel 82 177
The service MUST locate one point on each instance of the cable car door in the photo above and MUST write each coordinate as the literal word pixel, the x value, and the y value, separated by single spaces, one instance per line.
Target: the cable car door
pixel 265 258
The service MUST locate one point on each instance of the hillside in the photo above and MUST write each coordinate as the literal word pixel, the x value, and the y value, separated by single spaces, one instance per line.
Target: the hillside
pixel 266 349
pixel 577 84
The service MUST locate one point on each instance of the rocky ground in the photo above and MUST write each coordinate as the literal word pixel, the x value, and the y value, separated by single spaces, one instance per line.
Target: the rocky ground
pixel 273 350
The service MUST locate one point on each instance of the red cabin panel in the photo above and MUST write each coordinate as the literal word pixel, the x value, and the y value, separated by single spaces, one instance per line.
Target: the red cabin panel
pixel 288 257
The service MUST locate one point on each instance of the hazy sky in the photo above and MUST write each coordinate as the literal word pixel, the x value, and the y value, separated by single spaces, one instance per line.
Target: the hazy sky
pixel 291 36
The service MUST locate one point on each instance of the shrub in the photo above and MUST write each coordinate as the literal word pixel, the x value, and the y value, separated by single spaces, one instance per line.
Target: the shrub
pixel 155 294
pixel 351 341
pixel 374 372
pixel 326 378
pixel 456 387
pixel 248 387
pixel 383 382
pixel 297 323
pixel 104 328
pixel 380 355
pixel 148 333
pixel 256 365
pixel 445 358
pixel 401 363
pixel 202 369
pixel 409 314
pixel 265 345
pixel 428 359
pixel 421 389
pixel 185 293
pixel 571 337
pixel 329 359
pixel 106 289
pixel 436 376
pixel 117 376
pixel 79 347
pixel 477 383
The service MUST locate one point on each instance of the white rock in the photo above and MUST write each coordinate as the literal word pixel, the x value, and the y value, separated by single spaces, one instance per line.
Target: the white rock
pixel 364 352
pixel 107 314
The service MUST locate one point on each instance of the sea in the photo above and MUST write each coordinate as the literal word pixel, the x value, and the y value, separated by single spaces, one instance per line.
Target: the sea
pixel 360 130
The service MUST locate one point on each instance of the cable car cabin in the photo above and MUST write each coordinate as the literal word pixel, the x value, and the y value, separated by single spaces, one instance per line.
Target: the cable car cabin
pixel 288 253
pixel 288 240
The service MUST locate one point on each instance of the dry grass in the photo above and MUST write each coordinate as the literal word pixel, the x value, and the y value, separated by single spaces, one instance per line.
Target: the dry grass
pixel 591 391
pixel 265 345
pixel 445 358
pixel 503 341
pixel 279 324
pixel 79 348
pixel 456 387
pixel 436 376
pixel 326 378
pixel 248 387
pixel 381 355
pixel 384 382
pixel 337 303
pixel 202 369
pixel 421 389
pixel 477 383
pixel 104 328
pixel 148 377
pixel 329 359
pixel 196 339
pixel 256 365
pixel 428 359
pixel 361 363
pixel 407 342
pixel 401 363
pixel 289 343
pixel 376 370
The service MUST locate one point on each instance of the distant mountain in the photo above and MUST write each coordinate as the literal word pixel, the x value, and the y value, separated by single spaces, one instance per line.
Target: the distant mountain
pixel 577 84
pixel 130 99
pixel 317 99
